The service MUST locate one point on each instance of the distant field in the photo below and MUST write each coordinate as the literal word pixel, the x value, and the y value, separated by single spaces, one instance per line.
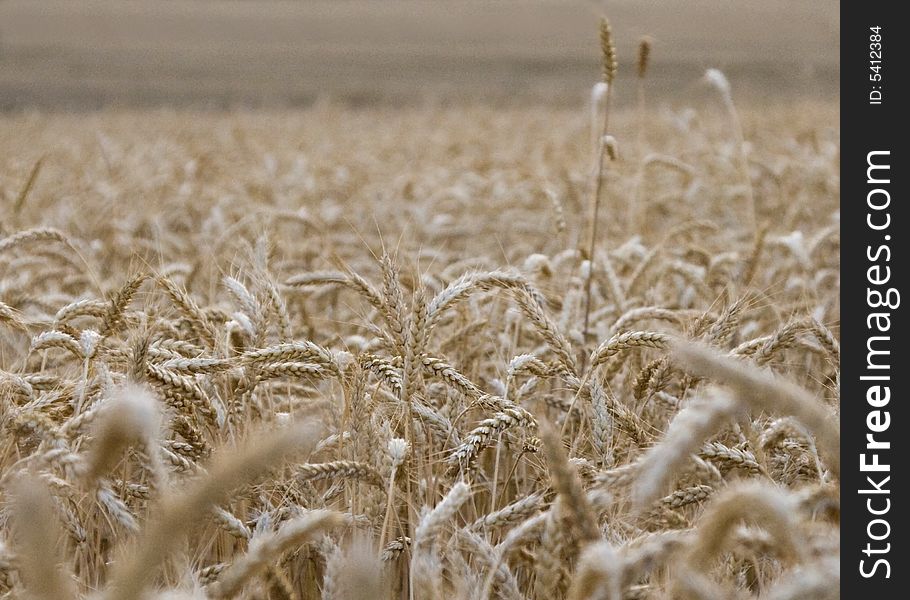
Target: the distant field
pixel 59 54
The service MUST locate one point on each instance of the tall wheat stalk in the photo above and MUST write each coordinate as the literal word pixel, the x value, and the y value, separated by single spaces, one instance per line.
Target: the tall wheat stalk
pixel 603 145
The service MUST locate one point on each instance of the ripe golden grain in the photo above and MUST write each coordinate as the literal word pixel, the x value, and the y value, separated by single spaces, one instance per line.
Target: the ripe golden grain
pixel 399 324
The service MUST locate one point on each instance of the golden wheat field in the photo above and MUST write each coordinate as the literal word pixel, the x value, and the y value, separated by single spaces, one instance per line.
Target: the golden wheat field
pixel 350 354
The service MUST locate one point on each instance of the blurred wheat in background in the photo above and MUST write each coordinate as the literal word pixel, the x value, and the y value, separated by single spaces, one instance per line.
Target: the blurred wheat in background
pixel 465 351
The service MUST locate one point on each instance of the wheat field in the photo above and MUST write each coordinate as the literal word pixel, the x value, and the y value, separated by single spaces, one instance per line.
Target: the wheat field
pixel 343 354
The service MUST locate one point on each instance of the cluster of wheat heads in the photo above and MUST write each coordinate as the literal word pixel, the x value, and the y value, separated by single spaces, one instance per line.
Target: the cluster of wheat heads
pixel 375 354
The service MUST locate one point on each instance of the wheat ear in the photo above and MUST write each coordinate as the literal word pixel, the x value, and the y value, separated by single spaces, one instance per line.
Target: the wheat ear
pixel 761 390
pixel 599 574
pixel 644 60
pixel 766 506
pixel 37 537
pixel 269 547
pixel 685 435
pixel 178 513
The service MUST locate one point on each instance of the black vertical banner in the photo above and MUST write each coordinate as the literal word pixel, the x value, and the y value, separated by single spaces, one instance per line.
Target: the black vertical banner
pixel 875 425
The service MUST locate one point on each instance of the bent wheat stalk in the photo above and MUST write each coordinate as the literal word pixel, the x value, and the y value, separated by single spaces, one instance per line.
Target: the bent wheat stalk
pixel 760 390
pixel 759 504
pixel 177 514
pixel 269 547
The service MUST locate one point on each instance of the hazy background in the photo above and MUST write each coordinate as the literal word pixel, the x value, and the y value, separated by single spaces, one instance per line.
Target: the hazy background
pixel 64 54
